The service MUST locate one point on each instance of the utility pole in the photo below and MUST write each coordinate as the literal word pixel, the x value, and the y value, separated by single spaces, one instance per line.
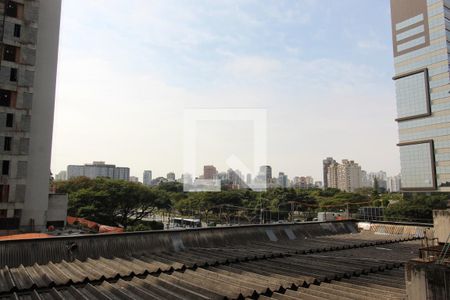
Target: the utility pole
pixel 261 215
pixel 292 210
pixel 261 212
pixel 278 212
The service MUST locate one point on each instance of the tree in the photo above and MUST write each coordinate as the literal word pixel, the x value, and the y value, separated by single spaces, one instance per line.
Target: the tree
pixel 112 202
pixel 416 207
pixel 375 188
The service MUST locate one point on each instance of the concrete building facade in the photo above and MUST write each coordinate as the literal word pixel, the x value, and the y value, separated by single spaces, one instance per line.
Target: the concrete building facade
pixel 349 176
pixel 345 176
pixel 332 175
pixel 147 178
pixel 61 176
pixel 303 182
pixel 98 169
pixel 422 81
pixel 380 177
pixel 265 175
pixel 29 36
pixel 394 183
pixel 209 172
pixel 282 180
pixel 326 163
pixel 171 176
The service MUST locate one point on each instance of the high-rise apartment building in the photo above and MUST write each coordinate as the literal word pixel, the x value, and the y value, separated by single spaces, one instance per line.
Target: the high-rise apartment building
pixel 265 173
pixel 98 169
pixel 345 176
pixel 222 176
pixel 332 175
pixel 234 179
pixel 365 180
pixel 29 34
pixel 349 176
pixel 209 172
pixel 61 176
pixel 394 183
pixel 170 176
pixel 147 177
pixel 326 163
pixel 248 180
pixel 282 180
pixel 380 177
pixel 422 81
pixel 303 182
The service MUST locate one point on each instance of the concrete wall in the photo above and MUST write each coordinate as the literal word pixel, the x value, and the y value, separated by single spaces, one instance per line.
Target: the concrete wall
pixel 36 197
pixel 57 207
pixel 395 229
pixel 441 220
pixel 55 249
pixel 427 281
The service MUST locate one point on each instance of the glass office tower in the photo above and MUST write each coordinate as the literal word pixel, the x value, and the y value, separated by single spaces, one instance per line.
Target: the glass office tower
pixel 421 34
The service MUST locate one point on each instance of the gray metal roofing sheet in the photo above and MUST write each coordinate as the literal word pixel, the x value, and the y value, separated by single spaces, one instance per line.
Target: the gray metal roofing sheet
pixel 281 269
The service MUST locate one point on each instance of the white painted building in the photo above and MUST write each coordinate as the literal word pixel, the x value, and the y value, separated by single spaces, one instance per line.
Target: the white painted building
pixel 98 169
pixel 394 183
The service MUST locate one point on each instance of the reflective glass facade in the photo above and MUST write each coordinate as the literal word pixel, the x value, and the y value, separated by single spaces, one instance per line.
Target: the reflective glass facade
pixel 412 95
pixel 421 46
pixel 417 166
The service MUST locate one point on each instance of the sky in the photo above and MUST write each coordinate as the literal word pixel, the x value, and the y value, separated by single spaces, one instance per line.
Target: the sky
pixel 320 69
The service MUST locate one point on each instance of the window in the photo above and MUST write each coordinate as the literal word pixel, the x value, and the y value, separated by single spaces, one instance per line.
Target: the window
pixel 5 98
pixel 3 213
pixel 5 167
pixel 413 95
pixel 13 74
pixel 418 166
pixel 11 9
pixel 17 30
pixel 9 53
pixel 4 192
pixel 7 143
pixel 9 120
pixel 17 213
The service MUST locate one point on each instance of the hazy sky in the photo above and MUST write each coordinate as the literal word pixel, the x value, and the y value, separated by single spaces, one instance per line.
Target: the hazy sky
pixel 322 70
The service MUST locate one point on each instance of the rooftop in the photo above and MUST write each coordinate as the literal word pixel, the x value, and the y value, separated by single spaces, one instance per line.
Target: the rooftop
pixel 282 261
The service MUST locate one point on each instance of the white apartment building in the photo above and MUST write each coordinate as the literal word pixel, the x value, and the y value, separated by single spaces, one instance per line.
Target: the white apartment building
pixel 394 183
pixel 147 178
pixel 98 169
pixel 345 176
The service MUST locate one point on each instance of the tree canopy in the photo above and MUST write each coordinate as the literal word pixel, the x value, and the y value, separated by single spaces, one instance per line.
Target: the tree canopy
pixel 112 202
pixel 127 204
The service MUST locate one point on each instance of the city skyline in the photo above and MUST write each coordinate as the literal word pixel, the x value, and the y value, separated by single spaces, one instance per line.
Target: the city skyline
pixel 211 172
pixel 149 61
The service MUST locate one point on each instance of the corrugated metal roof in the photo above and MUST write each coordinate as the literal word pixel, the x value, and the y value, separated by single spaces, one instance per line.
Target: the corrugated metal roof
pixel 304 267
pixel 282 276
